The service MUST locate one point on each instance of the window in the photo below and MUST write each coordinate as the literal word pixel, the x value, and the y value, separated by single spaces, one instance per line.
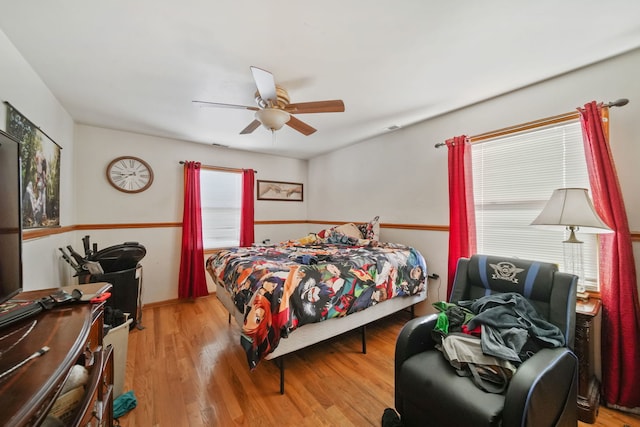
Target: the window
pixel 513 177
pixel 221 198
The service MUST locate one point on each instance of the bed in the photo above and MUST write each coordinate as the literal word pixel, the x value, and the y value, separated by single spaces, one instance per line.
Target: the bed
pixel 298 293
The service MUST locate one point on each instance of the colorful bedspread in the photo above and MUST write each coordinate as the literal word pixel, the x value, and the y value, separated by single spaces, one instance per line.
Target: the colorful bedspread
pixel 282 288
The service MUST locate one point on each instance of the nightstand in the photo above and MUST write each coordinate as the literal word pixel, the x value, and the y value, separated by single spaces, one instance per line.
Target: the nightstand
pixel 587 349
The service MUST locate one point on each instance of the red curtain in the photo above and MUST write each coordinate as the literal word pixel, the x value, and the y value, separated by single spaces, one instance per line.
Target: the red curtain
pixel 462 219
pixel 246 213
pixel 191 281
pixel 618 289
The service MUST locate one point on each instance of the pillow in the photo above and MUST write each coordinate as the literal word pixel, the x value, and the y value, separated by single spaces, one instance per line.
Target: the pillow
pixel 371 229
pixel 307 240
pixel 337 238
pixel 323 234
pixel 349 229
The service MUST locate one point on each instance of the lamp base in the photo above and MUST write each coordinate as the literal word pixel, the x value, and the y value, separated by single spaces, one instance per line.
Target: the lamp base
pixel 573 264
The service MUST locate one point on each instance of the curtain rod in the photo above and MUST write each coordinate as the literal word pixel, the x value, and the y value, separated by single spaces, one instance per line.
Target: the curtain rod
pixel 529 125
pixel 220 168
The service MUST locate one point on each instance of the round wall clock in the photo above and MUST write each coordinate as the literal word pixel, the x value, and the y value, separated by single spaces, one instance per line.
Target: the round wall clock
pixel 129 174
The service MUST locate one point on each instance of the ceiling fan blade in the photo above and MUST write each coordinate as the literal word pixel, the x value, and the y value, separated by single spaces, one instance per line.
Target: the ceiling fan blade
pixel 218 104
pixel 265 83
pixel 252 126
pixel 300 126
pixel 333 106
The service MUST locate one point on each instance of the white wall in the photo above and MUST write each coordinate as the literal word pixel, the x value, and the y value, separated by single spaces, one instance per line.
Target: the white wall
pixel 403 178
pixel 23 88
pixel 99 203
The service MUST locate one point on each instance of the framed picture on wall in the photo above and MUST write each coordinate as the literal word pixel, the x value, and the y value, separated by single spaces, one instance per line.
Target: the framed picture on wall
pixel 279 190
pixel 40 172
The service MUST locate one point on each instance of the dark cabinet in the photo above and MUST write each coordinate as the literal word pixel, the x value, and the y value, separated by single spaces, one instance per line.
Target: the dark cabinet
pixel 587 349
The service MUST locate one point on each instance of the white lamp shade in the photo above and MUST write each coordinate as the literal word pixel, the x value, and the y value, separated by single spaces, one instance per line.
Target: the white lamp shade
pixel 571 207
pixel 272 118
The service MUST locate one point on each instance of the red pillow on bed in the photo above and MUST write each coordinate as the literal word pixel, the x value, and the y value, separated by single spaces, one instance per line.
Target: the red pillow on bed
pixel 323 233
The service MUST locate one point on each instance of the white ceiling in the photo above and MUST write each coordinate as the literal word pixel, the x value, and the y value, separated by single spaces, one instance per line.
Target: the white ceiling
pixel 136 65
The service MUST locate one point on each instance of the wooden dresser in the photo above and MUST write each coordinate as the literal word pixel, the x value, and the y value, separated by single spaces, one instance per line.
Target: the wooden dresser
pixel 74 335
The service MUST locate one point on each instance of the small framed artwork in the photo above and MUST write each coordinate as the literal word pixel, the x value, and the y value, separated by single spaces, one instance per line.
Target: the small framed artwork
pixel 278 190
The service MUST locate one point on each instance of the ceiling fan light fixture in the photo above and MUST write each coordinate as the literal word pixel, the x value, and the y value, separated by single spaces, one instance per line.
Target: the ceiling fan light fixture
pixel 272 118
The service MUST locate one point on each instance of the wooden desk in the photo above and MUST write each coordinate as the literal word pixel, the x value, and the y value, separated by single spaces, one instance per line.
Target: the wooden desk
pixel 588 384
pixel 74 335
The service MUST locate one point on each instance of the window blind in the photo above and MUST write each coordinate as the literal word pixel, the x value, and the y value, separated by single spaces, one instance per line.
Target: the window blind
pixel 513 177
pixel 221 200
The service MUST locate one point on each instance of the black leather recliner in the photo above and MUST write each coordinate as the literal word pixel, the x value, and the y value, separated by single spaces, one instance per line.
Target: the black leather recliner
pixel 541 393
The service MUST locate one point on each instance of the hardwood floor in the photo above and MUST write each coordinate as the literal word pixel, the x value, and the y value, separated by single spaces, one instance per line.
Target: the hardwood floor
pixel 186 368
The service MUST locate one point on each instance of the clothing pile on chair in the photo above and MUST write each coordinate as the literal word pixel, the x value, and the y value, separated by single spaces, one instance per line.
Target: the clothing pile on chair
pixel 490 337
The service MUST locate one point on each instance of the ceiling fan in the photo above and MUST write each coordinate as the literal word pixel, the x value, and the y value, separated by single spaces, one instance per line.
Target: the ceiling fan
pixel 274 110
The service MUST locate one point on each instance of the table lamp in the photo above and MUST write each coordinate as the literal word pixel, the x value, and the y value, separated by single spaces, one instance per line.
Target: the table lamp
pixel 572 209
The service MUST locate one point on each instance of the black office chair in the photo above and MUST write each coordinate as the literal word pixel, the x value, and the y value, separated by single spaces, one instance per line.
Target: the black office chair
pixel 543 390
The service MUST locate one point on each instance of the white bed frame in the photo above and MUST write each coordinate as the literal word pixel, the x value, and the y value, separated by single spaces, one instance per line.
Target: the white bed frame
pixel 314 333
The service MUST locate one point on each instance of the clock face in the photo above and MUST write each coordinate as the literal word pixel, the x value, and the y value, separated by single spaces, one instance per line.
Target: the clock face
pixel 129 174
